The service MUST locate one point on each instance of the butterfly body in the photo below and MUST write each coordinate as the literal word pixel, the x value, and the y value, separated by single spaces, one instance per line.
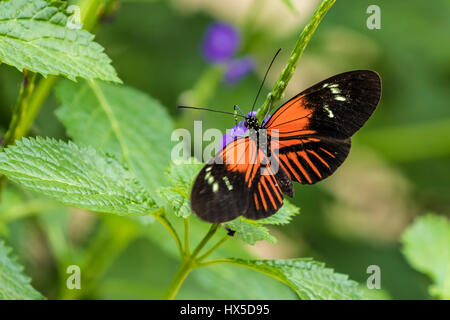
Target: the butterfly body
pixel 304 141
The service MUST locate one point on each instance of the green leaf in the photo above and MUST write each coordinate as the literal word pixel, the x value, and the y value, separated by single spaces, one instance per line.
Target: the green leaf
pixel 283 216
pixel 122 121
pixel 34 36
pixel 426 246
pixel 250 231
pixel 14 285
pixel 308 278
pixel 77 176
pixel 182 177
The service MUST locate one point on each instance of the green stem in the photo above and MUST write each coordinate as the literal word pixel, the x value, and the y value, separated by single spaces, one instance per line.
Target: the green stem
pixel 209 235
pixel 213 248
pixel 38 98
pixel 300 45
pixel 161 218
pixel 20 108
pixel 187 265
pixel 187 250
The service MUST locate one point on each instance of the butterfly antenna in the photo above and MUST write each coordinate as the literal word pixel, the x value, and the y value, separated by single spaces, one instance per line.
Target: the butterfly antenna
pixel 206 109
pixel 265 76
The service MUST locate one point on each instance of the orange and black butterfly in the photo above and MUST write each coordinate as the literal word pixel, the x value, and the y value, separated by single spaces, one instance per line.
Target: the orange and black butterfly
pixel 305 140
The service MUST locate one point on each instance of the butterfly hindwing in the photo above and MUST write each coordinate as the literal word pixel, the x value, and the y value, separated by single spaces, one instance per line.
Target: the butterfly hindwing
pixel 313 129
pixel 266 197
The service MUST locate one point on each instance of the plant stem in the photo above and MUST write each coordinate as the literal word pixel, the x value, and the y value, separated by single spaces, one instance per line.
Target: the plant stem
pixel 161 218
pixel 38 98
pixel 211 232
pixel 190 262
pixel 20 108
pixel 300 45
pixel 187 250
pixel 185 268
pixel 213 248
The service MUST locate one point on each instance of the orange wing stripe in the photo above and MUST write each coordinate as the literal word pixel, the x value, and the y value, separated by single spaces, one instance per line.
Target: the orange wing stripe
pixel 293 157
pixel 332 155
pixel 290 167
pixel 311 164
pixel 262 197
pixel 255 197
pixel 272 200
pixel 319 157
pixel 275 187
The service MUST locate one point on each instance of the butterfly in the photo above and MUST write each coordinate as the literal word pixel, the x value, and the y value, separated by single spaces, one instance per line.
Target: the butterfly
pixel 304 141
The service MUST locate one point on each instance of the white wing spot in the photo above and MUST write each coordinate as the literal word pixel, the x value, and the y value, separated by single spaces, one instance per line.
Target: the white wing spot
pixel 215 187
pixel 330 113
pixel 227 183
pixel 335 90
pixel 325 85
pixel 340 98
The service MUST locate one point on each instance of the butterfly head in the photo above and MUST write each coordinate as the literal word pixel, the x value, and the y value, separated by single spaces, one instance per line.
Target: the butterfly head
pixel 251 122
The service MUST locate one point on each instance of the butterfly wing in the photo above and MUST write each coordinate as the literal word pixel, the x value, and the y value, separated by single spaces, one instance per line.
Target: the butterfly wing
pixel 238 181
pixel 312 130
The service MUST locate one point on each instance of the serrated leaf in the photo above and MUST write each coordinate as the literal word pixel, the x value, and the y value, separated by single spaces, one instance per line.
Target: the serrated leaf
pixel 311 280
pixel 34 36
pixel 283 216
pixel 179 202
pixel 14 285
pixel 181 176
pixel 250 231
pixel 76 176
pixel 426 246
pixel 122 121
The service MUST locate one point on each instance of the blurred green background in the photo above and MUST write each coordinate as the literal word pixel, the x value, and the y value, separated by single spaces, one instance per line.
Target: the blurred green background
pixel 398 167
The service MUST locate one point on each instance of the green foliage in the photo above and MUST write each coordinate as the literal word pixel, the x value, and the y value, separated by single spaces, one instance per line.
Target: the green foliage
pixel 119 120
pixel 426 246
pixel 77 176
pixel 14 285
pixel 283 216
pixel 250 231
pixel 34 36
pixel 181 176
pixel 308 278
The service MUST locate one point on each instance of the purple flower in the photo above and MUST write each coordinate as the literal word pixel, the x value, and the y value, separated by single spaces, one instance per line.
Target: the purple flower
pixel 238 131
pixel 238 68
pixel 220 43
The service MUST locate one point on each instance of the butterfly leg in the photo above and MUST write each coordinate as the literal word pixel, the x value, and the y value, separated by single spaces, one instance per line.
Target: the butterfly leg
pixel 230 232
